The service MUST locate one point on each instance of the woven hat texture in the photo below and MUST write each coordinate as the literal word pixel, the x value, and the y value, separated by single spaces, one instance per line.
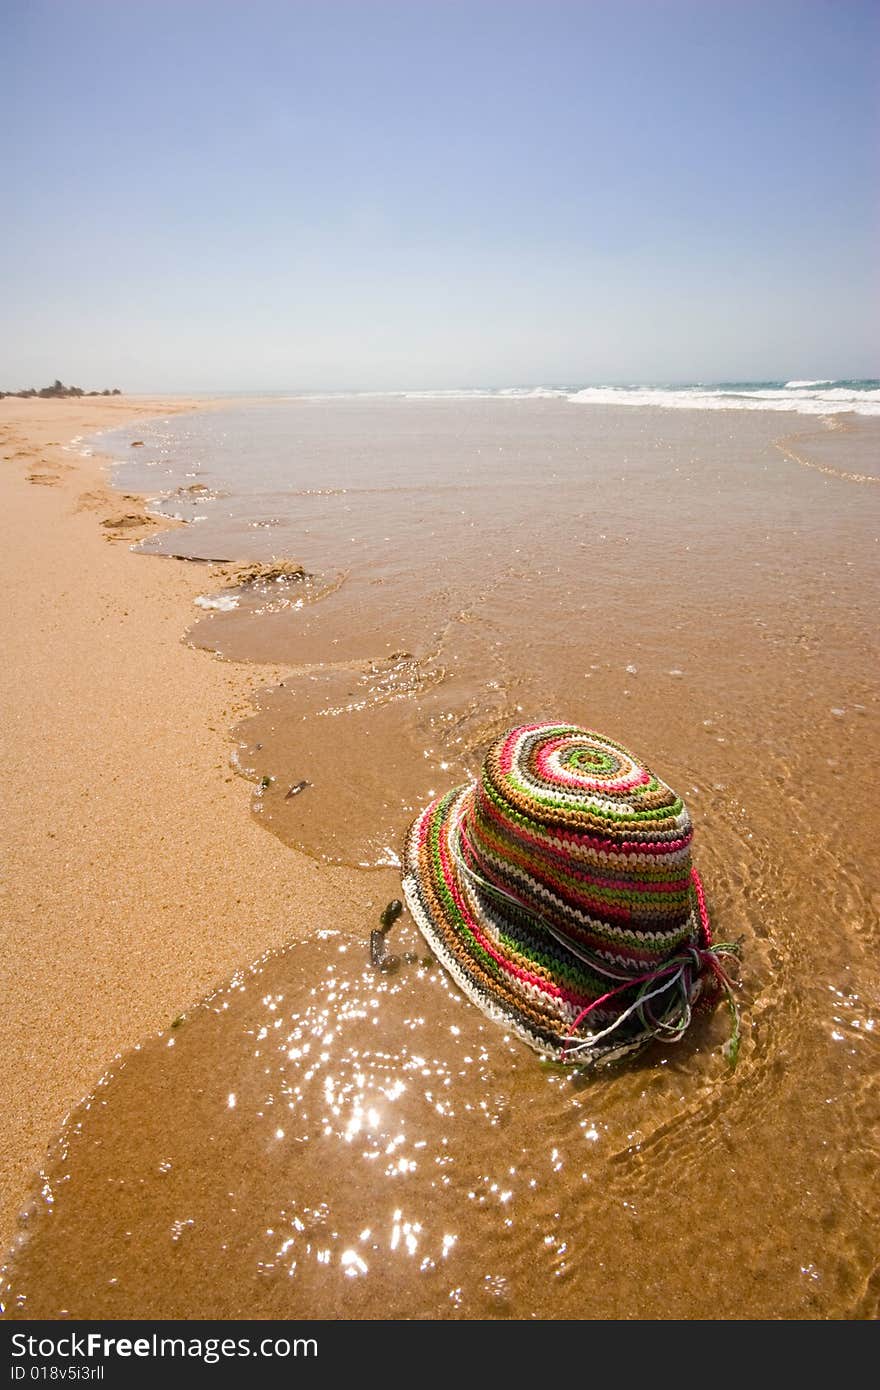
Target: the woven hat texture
pixel 558 891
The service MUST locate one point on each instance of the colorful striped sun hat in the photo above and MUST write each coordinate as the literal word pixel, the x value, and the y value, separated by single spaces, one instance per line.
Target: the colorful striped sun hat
pixel 558 892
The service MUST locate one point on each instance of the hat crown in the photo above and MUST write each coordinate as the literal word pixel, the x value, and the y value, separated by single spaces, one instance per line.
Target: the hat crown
pixel 576 831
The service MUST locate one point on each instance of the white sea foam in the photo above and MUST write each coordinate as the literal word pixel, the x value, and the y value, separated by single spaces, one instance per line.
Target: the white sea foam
pixel 476 393
pixel 822 397
pixel 804 402
pixel 223 603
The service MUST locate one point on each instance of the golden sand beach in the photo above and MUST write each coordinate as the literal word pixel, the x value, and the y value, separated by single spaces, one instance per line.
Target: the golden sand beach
pixel 134 880
pixel 272 1128
pixel 440 719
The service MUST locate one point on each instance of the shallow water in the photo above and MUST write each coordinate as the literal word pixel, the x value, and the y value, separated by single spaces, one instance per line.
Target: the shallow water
pixel 684 585
pixel 323 1140
pixel 476 563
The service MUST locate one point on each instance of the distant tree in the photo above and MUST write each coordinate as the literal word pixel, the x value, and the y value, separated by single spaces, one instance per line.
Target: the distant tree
pixel 57 390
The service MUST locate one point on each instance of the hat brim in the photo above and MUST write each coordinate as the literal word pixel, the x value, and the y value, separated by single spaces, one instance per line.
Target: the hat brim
pixel 514 973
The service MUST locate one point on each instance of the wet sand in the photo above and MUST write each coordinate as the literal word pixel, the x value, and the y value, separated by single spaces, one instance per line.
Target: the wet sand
pixel 134 880
pixel 322 1139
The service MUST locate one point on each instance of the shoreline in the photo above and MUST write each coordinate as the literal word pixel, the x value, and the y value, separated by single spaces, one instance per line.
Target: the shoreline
pixel 141 1011
pixel 137 879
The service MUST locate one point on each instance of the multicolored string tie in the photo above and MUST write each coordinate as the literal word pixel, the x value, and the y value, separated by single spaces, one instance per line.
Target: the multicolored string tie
pixel 558 892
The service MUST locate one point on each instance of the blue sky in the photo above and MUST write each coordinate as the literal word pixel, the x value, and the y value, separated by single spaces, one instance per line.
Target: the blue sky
pixel 206 195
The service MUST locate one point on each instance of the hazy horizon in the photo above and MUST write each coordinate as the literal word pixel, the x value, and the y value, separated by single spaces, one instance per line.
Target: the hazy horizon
pixel 393 196
pixel 450 388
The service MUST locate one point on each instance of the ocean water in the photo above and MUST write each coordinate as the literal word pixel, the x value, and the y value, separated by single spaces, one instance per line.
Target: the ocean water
pixel 471 561
pixel 700 585
pixel 819 397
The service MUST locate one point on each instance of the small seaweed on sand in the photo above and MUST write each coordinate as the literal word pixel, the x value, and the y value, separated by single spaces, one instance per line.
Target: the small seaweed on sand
pixel 274 572
pixel 127 520
pixel 387 917
pixel 391 913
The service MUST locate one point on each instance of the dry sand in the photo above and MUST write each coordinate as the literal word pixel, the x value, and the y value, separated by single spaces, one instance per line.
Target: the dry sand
pixel 134 878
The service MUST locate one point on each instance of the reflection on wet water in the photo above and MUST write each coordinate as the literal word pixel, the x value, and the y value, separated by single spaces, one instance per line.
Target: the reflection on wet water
pixel 325 1138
